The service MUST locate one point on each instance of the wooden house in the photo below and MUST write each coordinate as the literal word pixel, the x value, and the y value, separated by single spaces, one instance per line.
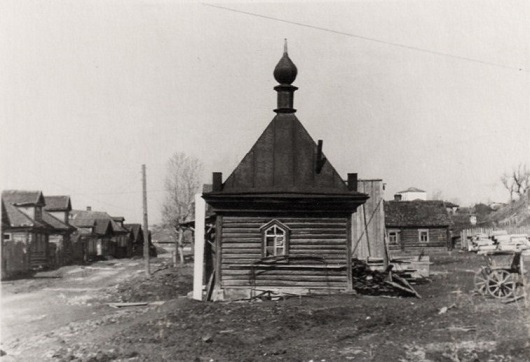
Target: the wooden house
pixel 283 217
pixel 136 239
pixel 24 232
pixel 57 215
pixel 417 225
pixel 98 233
pixel 122 240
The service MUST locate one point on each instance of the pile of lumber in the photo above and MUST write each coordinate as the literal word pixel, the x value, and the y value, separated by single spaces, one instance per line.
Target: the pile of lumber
pixel 388 282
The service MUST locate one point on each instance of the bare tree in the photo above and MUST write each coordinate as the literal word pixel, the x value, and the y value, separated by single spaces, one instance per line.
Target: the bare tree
pixel 517 181
pixel 437 195
pixel 183 180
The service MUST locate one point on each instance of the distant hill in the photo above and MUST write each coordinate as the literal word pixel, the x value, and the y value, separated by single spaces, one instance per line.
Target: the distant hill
pixel 514 214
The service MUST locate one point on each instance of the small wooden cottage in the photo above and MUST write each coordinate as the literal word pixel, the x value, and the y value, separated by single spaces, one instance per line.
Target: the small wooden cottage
pixel 57 215
pixel 283 217
pixel 417 225
pixel 24 233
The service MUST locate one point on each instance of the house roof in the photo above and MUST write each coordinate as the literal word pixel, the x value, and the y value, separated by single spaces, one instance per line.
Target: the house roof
pixel 103 227
pixel 416 214
pixel 22 198
pixel 283 161
pixel 135 229
pixel 55 223
pixel 85 218
pixel 13 217
pixel 57 203
pixel 410 189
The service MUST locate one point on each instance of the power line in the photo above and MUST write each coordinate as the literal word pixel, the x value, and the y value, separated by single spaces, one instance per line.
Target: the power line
pixel 398 45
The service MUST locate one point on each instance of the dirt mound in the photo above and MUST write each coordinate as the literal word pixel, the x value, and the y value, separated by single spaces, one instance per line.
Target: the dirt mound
pixel 165 283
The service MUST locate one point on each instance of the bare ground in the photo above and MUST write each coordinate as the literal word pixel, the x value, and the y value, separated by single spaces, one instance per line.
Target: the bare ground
pixel 64 316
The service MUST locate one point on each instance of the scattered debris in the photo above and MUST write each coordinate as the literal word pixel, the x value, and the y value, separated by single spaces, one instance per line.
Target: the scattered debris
pixel 511 300
pixel 445 309
pixel 122 305
pixel 375 282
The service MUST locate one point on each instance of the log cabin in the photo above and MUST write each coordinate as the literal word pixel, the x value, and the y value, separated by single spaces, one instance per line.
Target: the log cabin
pixel 283 216
pixel 417 226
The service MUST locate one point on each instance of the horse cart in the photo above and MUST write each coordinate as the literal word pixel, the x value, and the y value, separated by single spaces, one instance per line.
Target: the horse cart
pixel 505 274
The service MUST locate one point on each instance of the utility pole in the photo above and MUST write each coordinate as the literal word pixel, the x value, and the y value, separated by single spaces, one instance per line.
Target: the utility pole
pixel 146 227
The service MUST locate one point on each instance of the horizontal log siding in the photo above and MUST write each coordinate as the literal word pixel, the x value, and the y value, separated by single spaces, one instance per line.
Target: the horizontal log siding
pixel 410 239
pixel 322 237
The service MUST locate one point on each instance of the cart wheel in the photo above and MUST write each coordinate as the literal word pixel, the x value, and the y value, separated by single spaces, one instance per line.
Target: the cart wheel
pixel 501 284
pixel 481 281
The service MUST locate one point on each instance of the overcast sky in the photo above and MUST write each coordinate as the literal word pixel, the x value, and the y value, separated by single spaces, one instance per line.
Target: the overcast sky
pixel 430 94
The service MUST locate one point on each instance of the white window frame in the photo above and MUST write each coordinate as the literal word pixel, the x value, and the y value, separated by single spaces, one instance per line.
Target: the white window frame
pixel 277 233
pixel 420 232
pixel 8 238
pixel 396 233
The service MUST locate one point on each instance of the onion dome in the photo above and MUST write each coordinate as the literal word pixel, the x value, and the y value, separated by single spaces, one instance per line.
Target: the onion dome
pixel 285 71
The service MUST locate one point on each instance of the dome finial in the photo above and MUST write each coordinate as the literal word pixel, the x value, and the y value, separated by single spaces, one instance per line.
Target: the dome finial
pixel 285 74
pixel 285 71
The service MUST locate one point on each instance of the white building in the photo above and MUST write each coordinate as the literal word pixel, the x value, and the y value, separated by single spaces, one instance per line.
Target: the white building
pixel 411 194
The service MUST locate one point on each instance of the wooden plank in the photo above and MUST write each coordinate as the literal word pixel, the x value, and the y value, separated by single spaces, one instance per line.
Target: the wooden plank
pixel 332 242
pixel 229 230
pixel 227 256
pixel 317 272
pixel 242 245
pixel 320 248
pixel 284 283
pixel 242 240
pixel 292 278
pixel 293 266
pixel 349 283
pixel 242 250
pixel 238 219
pixel 322 237
pixel 218 251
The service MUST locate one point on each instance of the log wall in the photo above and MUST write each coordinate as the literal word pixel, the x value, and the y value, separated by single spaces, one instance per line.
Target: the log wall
pixel 409 238
pixel 241 247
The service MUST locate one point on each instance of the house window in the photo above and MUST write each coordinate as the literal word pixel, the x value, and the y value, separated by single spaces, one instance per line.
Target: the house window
pixel 423 235
pixel 275 239
pixel 7 237
pixel 393 237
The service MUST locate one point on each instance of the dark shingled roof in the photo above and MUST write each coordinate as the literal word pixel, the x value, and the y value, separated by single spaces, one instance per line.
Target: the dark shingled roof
pixel 134 229
pixel 20 198
pixel 13 217
pixel 85 218
pixel 416 214
pixel 54 222
pixel 57 203
pixel 283 161
pixel 103 227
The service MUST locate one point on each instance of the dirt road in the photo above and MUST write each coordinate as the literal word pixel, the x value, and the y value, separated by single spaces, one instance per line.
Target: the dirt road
pixel 38 312
pixel 68 319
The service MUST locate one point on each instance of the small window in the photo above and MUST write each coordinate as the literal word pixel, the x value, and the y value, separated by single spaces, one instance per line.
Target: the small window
pixel 393 237
pixel 275 239
pixel 7 237
pixel 424 235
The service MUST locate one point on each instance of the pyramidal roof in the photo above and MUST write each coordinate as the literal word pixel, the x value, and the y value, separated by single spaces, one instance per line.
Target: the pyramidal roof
pixel 285 161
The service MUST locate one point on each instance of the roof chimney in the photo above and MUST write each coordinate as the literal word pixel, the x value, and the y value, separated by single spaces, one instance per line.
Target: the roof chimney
pixel 217 181
pixel 352 181
pixel 285 74
pixel 89 208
